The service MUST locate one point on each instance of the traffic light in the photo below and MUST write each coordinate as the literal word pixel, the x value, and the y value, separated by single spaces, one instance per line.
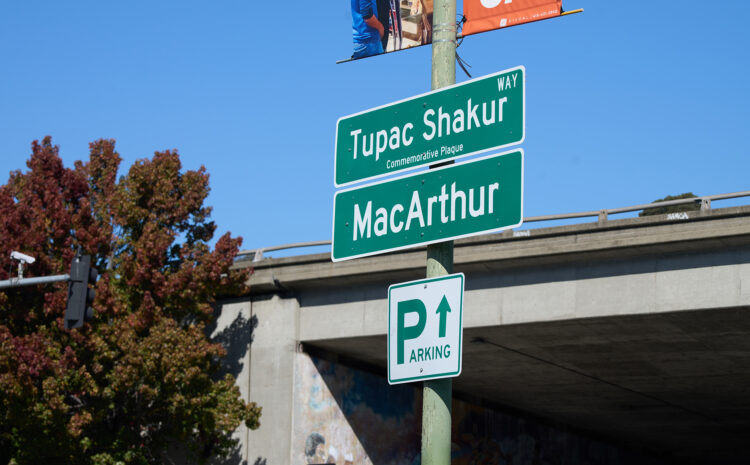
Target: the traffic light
pixel 80 296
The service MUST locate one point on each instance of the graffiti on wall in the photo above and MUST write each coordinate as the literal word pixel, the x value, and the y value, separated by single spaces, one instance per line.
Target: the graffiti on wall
pixel 347 417
pixel 344 416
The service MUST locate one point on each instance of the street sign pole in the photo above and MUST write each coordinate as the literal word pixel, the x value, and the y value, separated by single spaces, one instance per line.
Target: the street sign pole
pixel 436 400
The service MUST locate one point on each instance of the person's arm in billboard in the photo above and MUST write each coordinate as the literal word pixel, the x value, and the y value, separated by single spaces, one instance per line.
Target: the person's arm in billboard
pixel 372 21
pixel 367 9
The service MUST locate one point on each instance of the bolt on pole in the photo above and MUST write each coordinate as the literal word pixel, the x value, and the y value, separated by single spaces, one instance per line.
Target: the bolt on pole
pixel 436 400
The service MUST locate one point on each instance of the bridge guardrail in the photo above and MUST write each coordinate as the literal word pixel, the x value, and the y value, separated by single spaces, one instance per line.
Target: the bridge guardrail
pixel 601 215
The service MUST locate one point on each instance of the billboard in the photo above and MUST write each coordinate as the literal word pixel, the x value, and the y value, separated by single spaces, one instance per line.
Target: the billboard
pixel 382 26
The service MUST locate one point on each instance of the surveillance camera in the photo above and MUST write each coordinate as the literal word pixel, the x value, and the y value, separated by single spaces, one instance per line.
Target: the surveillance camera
pixel 22 257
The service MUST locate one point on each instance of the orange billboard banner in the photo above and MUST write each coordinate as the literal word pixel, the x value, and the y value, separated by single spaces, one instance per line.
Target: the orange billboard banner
pixel 486 15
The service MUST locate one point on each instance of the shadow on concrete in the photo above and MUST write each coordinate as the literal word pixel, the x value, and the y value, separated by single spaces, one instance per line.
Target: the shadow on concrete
pixel 178 453
pixel 233 458
pixel 236 340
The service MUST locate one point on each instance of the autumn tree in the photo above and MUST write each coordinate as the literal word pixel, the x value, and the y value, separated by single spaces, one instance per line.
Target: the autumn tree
pixel 142 377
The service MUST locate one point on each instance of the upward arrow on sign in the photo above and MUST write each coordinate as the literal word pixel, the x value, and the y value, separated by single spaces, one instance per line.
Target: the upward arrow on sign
pixel 443 310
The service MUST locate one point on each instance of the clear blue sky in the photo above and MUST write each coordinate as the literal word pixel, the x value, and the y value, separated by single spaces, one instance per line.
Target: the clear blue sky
pixel 626 102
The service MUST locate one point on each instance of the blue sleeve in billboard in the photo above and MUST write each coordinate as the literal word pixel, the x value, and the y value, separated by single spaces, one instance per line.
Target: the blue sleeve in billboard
pixel 381 26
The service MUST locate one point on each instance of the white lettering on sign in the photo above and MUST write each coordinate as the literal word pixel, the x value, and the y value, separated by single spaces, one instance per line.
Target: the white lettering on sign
pixel 379 141
pixel 453 207
pixel 362 223
pixel 503 82
pixel 458 121
pixel 449 150
pixel 437 123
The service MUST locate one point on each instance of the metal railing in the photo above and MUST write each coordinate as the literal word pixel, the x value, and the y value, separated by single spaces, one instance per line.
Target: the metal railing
pixel 601 215
pixel 258 253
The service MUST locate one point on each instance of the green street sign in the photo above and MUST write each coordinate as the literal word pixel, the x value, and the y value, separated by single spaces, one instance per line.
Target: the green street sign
pixel 425 328
pixel 475 116
pixel 466 199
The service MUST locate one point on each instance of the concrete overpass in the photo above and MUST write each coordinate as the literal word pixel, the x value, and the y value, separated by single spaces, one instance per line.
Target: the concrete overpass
pixel 631 332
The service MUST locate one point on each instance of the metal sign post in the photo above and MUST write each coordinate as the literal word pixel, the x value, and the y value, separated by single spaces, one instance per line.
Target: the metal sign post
pixel 437 393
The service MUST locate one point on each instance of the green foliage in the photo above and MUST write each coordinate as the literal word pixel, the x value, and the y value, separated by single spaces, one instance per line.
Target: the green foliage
pixel 686 207
pixel 143 376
